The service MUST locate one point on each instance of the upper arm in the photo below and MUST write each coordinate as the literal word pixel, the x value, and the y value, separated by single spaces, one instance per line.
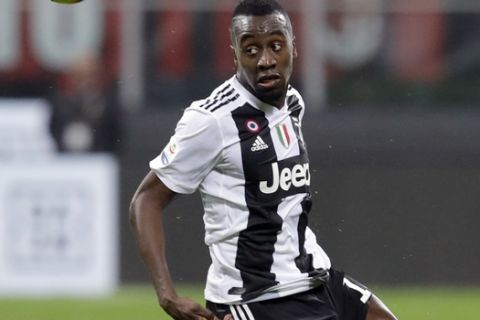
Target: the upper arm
pixel 151 193
pixel 191 154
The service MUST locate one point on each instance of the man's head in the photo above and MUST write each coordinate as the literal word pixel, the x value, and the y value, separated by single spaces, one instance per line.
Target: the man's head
pixel 262 40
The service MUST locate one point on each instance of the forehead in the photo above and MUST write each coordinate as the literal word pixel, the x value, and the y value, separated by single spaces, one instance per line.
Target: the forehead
pixel 244 25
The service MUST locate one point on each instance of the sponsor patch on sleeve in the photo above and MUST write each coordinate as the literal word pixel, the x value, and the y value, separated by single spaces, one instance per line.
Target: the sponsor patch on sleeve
pixel 169 152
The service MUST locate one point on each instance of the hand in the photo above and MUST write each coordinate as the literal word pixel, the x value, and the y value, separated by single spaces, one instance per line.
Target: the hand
pixel 181 308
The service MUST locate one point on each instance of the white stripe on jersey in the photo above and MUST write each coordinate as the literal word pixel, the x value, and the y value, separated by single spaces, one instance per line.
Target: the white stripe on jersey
pixel 236 314
pixel 248 312
pixel 243 313
pixel 366 294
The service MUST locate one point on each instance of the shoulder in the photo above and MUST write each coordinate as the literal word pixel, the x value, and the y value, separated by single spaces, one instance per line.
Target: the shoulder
pixel 221 100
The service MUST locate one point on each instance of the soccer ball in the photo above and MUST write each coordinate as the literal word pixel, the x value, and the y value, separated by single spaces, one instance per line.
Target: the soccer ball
pixel 66 1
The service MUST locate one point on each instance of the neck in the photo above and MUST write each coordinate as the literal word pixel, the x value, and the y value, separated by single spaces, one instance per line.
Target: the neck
pixel 277 101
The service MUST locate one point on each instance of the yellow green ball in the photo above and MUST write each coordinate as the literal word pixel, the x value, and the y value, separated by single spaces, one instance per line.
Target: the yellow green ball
pixel 66 1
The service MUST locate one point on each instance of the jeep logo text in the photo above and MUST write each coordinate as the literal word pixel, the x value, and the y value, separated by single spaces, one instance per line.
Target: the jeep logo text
pixel 298 176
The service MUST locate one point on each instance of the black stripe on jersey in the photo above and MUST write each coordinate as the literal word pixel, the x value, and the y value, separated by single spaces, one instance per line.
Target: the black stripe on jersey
pixel 213 98
pixel 256 243
pixel 235 97
pixel 294 105
pixel 304 261
pixel 219 99
pixel 228 85
pixel 265 187
pixel 222 90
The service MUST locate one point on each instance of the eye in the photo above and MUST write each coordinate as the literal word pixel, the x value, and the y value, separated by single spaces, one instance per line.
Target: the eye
pixel 277 46
pixel 251 50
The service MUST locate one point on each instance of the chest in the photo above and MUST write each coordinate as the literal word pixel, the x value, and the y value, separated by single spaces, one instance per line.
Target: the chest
pixel 267 150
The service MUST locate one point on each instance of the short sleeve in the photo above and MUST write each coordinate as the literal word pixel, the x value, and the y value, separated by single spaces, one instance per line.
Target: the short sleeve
pixel 192 152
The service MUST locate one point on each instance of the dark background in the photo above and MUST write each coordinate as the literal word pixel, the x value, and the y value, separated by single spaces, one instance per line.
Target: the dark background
pixel 396 196
pixel 394 143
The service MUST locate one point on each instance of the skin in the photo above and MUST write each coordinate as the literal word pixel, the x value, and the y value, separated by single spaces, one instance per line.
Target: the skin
pixel 146 218
pixel 263 53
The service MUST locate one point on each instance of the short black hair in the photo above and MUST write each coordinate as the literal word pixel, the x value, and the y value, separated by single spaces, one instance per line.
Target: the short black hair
pixel 258 8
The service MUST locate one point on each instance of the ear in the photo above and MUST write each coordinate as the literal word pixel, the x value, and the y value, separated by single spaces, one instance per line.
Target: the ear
pixel 294 48
pixel 234 53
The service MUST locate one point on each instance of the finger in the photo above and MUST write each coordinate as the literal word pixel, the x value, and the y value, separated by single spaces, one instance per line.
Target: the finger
pixel 205 313
pixel 228 317
pixel 207 318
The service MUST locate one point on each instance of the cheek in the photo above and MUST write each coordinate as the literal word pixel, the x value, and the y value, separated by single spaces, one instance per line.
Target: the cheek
pixel 248 68
pixel 287 62
pixel 250 76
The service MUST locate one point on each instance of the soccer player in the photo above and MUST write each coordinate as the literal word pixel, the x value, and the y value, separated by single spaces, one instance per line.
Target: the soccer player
pixel 243 149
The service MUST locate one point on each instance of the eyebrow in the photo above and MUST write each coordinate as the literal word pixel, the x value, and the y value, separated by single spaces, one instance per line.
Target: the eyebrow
pixel 247 35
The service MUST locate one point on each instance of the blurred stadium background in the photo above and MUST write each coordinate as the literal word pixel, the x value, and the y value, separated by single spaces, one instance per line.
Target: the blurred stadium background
pixel 89 93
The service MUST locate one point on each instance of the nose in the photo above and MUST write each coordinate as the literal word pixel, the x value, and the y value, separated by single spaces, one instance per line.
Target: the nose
pixel 267 60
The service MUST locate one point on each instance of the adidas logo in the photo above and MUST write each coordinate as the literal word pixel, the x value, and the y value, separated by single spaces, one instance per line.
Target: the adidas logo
pixel 259 144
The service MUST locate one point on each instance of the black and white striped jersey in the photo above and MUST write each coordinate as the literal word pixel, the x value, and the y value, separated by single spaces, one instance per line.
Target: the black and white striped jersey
pixel 249 162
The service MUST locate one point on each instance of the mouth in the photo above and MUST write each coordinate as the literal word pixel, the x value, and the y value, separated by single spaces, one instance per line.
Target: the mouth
pixel 268 82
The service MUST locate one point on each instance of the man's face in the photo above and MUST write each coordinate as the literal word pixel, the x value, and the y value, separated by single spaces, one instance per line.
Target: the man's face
pixel 264 52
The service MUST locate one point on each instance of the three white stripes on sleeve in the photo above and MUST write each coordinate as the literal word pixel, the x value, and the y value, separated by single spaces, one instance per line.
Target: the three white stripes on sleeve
pixel 241 312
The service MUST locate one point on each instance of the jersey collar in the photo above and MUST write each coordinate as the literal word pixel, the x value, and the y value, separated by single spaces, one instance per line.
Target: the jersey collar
pixel 254 101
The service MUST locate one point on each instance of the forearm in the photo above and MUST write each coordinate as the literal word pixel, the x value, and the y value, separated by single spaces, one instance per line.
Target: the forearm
pixel 148 229
pixel 146 218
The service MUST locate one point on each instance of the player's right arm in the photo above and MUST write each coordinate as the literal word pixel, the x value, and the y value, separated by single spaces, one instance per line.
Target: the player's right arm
pixel 146 217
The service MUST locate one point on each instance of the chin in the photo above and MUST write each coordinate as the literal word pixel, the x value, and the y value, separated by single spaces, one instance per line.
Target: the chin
pixel 271 99
pixel 270 96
